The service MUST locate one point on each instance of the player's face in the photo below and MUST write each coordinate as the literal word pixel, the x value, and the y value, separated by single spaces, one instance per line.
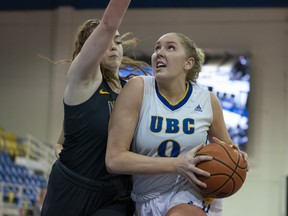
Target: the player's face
pixel 113 56
pixel 169 57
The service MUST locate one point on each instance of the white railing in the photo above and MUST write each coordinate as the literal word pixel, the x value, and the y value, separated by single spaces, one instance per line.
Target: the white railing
pixel 39 156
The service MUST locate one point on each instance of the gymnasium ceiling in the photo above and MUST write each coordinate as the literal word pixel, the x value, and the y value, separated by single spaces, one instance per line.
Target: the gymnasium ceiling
pixel 12 5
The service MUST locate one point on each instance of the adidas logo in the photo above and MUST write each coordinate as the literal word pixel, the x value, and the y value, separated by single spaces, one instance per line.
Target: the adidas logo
pixel 198 108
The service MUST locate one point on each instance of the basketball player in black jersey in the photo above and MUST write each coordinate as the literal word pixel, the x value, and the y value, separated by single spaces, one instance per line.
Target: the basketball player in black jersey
pixel 79 183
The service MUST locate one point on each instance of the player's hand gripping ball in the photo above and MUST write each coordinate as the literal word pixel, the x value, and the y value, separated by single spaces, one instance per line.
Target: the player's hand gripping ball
pixel 227 168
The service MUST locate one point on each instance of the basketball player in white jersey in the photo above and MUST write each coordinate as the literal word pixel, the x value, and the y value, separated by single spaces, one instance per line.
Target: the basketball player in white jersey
pixel 167 118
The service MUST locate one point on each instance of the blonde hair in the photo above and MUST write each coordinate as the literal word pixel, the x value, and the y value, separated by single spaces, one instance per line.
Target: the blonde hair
pixel 192 51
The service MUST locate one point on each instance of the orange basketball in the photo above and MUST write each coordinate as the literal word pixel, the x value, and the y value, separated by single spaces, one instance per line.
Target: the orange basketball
pixel 227 168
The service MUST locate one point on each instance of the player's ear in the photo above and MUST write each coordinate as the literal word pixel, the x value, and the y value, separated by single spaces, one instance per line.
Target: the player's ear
pixel 189 63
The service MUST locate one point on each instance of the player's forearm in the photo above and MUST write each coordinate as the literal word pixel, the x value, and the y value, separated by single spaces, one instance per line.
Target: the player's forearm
pixel 114 13
pixel 98 42
pixel 136 164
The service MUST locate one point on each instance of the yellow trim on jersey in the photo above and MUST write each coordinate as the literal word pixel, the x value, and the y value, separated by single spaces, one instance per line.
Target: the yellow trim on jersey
pixel 173 104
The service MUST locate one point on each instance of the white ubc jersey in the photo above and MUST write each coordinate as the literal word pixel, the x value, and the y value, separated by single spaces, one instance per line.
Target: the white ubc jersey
pixel 168 130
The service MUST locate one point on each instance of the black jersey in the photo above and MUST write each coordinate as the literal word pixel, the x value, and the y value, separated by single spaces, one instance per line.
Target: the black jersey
pixel 79 176
pixel 86 133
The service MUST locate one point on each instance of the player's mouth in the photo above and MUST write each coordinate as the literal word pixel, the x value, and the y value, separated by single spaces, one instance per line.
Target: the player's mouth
pixel 113 55
pixel 159 66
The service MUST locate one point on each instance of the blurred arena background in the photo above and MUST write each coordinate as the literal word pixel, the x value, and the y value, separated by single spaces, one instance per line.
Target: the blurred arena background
pixel 31 89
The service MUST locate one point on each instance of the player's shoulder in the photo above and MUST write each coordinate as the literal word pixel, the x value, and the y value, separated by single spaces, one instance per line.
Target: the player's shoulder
pixel 214 100
pixel 200 89
pixel 140 80
pixel 213 96
pixel 134 84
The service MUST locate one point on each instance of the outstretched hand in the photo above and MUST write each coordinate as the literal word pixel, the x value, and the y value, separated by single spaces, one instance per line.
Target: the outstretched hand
pixel 186 166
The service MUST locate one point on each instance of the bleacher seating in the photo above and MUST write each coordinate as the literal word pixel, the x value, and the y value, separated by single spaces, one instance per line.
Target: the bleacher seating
pixel 22 185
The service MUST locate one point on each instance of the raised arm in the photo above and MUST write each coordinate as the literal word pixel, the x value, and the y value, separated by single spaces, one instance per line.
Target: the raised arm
pixel 85 68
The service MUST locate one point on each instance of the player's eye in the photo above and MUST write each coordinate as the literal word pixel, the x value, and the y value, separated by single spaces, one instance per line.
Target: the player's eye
pixel 157 48
pixel 118 42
